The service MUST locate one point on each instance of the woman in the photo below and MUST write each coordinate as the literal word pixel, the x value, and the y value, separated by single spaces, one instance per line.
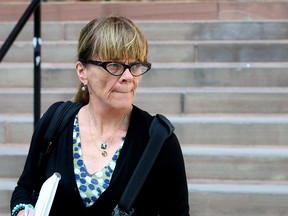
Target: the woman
pixel 97 152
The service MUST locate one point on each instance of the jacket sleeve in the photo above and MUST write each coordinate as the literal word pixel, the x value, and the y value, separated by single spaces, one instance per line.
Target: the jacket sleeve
pixel 174 188
pixel 26 183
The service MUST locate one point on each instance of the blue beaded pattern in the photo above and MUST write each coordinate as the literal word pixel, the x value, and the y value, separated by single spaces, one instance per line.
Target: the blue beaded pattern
pixel 90 186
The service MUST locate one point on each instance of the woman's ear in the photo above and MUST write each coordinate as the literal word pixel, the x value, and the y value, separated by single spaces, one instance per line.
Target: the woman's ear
pixel 81 72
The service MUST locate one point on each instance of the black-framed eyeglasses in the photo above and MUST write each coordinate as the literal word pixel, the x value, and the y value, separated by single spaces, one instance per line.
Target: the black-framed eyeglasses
pixel 118 68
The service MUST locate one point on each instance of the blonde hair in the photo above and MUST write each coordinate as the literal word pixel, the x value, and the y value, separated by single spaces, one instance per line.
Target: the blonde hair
pixel 110 38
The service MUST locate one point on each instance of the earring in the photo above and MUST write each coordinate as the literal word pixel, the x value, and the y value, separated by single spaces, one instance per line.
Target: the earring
pixel 84 88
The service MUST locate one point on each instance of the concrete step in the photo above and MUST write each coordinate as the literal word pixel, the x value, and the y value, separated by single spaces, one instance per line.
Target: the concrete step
pixel 171 51
pixel 208 163
pixel 25 98
pixel 176 75
pixel 7 185
pixel 152 10
pixel 163 30
pixel 176 100
pixel 236 163
pixel 217 199
pixel 235 100
pixel 204 129
pixel 225 129
pixel 12 159
pixel 222 199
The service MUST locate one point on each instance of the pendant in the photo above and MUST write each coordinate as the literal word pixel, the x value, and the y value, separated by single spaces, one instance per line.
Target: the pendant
pixel 103 145
pixel 104 153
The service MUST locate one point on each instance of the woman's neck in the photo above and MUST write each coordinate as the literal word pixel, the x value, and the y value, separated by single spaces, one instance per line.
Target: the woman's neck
pixel 107 121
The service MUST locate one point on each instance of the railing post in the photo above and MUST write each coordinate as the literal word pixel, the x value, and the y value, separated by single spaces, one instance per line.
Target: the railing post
pixel 17 29
pixel 37 42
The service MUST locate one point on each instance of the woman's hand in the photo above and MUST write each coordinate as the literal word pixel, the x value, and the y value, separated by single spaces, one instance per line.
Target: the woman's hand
pixel 30 212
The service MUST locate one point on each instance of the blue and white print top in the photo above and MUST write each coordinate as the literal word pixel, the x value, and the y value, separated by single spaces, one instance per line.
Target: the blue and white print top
pixel 90 186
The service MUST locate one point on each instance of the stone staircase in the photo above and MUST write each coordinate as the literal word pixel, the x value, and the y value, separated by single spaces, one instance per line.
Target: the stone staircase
pixel 223 83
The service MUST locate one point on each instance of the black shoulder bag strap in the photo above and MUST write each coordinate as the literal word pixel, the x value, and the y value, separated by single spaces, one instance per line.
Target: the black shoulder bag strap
pixel 59 121
pixel 56 125
pixel 160 129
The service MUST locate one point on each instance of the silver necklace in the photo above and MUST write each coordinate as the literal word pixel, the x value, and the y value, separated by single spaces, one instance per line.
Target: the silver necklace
pixel 104 143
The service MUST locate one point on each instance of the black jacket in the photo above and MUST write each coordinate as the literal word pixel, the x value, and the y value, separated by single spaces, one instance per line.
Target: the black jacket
pixel 163 193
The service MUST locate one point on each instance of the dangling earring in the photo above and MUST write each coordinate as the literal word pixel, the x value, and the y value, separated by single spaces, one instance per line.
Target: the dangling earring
pixel 84 88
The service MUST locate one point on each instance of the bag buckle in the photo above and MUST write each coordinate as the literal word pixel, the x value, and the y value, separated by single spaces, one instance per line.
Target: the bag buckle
pixel 119 212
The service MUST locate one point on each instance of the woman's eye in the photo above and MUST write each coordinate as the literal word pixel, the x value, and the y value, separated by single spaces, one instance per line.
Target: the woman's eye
pixel 137 65
pixel 114 65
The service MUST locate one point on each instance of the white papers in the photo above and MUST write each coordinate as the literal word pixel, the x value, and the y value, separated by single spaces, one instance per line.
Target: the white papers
pixel 46 195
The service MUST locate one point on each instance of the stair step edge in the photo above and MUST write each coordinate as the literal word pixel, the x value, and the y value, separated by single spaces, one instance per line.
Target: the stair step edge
pixel 239 188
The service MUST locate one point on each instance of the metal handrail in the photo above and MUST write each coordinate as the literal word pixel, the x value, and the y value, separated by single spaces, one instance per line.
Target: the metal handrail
pixel 35 6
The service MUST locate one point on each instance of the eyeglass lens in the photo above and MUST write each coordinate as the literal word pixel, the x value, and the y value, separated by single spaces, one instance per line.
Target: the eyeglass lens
pixel 135 69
